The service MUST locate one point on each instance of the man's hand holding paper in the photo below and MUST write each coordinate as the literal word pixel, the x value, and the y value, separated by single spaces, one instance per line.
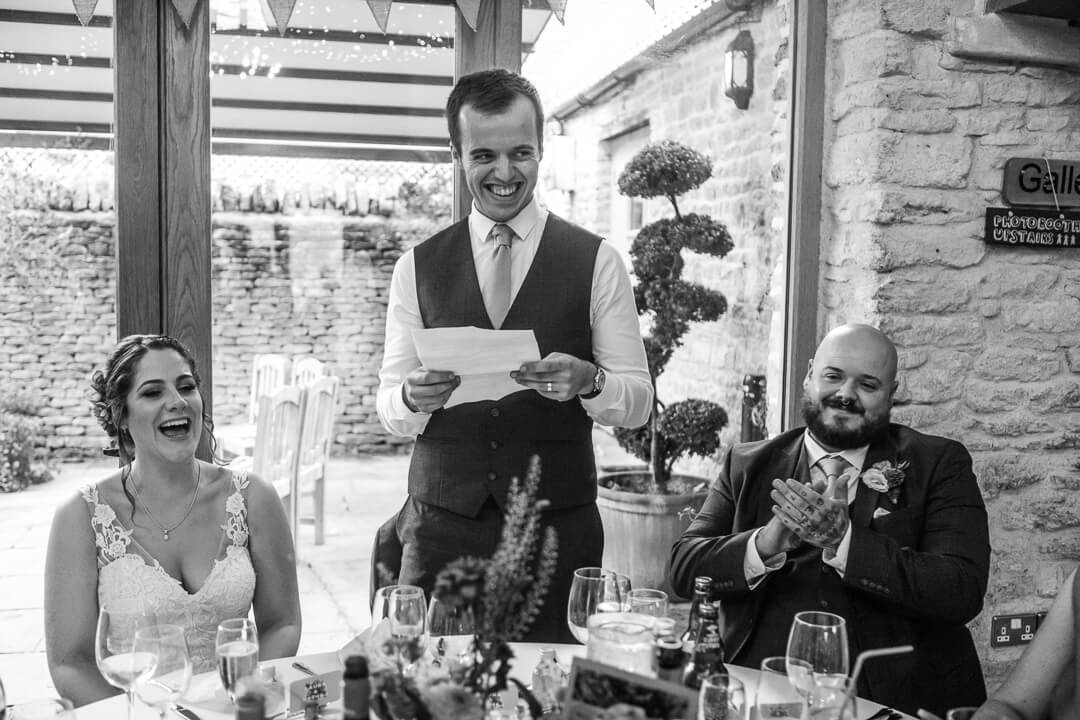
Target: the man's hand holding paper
pixel 558 376
pixel 480 360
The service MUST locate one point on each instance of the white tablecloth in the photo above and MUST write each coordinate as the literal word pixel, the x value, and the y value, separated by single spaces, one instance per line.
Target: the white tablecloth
pixel 527 656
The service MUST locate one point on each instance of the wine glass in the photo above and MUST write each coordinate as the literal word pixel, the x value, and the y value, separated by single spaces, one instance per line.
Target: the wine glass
pixel 721 697
pixel 407 612
pixel 647 601
pixel 830 700
pixel 592 591
pixel 237 650
pixel 380 606
pixel 451 629
pixel 171 675
pixel 114 651
pixel 817 650
pixel 776 697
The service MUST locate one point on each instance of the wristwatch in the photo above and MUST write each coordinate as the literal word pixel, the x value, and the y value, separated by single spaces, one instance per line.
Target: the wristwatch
pixel 597 384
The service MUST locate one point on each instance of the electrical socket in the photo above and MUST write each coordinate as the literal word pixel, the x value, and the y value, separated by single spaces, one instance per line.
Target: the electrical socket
pixel 1008 630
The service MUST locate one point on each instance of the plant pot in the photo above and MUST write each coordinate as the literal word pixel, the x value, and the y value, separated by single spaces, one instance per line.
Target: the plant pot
pixel 639 531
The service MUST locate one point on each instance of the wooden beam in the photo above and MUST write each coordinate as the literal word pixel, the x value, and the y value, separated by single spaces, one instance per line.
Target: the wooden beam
pixel 809 20
pixel 496 42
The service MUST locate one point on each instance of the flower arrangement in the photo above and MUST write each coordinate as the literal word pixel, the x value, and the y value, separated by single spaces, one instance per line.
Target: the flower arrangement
pixel 669 169
pixel 886 477
pixel 503 594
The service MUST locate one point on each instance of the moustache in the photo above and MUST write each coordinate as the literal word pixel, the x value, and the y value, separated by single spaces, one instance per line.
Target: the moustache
pixel 842 404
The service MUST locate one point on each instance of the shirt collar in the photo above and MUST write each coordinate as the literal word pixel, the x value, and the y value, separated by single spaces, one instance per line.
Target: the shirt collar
pixel 814 452
pixel 522 224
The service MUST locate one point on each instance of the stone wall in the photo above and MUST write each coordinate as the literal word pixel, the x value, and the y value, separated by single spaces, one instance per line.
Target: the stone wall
pixel 916 142
pixel 296 284
pixel 681 96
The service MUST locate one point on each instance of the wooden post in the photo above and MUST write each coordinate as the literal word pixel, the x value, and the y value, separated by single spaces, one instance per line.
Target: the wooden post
pixel 162 130
pixel 496 42
pixel 809 19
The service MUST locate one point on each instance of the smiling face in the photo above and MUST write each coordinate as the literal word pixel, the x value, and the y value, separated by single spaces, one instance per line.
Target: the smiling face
pixel 500 154
pixel 164 407
pixel 848 391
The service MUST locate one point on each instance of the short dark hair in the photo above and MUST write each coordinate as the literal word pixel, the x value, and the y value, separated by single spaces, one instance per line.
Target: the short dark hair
pixel 490 92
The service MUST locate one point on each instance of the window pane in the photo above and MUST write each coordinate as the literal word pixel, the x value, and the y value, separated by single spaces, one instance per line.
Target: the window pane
pixel 57 294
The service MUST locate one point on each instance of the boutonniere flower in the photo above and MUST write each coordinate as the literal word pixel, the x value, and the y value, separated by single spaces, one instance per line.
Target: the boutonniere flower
pixel 885 477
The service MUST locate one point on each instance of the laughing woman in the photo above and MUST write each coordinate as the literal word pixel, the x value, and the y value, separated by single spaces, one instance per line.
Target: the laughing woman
pixel 168 536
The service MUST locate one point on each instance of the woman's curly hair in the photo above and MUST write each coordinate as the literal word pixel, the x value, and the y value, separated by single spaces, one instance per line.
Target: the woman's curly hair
pixel 110 387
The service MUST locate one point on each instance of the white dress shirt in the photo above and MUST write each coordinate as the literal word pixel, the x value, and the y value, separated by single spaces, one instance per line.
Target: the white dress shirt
pixel 626 399
pixel 756 568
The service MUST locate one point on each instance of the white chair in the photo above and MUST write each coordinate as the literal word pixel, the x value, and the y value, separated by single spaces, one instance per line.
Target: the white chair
pixel 316 436
pixel 269 371
pixel 277 445
pixel 307 370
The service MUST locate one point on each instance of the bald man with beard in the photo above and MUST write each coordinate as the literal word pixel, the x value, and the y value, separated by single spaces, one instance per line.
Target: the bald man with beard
pixel 854 515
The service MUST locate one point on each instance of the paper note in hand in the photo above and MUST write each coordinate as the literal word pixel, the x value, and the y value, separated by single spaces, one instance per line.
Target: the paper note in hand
pixel 483 359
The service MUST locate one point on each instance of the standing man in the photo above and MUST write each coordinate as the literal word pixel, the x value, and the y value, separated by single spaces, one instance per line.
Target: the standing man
pixel 509 265
pixel 905 563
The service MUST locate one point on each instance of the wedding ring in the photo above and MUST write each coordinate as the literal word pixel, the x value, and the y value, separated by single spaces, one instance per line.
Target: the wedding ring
pixel 550 387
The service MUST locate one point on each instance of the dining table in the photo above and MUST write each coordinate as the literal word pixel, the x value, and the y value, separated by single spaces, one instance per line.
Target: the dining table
pixel 209 702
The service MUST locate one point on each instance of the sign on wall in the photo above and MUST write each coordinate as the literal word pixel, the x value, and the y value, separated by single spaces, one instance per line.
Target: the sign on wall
pixel 1042 182
pixel 1034 228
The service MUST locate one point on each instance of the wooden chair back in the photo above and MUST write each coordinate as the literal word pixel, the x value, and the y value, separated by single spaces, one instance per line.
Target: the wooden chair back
pixel 277 444
pixel 316 436
pixel 269 372
pixel 307 370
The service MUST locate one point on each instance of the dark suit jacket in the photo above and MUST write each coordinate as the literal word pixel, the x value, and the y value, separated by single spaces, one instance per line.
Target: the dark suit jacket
pixel 914 576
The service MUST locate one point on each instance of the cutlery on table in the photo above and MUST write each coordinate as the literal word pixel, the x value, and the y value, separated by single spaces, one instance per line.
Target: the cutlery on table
pixel 185 713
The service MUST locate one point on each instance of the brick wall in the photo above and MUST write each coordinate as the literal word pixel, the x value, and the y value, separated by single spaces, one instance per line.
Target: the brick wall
pixel 294 284
pixel 681 97
pixel 916 142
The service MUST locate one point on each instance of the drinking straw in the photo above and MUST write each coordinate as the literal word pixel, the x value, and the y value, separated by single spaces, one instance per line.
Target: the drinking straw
pixel 863 657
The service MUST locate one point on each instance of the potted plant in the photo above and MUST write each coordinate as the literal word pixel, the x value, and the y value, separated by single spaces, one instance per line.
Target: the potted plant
pixel 642 510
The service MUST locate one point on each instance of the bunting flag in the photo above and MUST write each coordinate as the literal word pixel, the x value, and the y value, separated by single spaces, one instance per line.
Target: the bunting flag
pixel 282 10
pixel 185 8
pixel 381 10
pixel 559 8
pixel 84 10
pixel 470 10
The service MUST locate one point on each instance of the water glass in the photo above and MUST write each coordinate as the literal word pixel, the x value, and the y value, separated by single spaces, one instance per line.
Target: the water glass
pixel 594 590
pixel 380 606
pixel 115 654
pixel 407 613
pixel 237 650
pixel 817 650
pixel 451 629
pixel 648 601
pixel 721 697
pixel 830 700
pixel 41 710
pixel 623 640
pixel 776 697
pixel 171 676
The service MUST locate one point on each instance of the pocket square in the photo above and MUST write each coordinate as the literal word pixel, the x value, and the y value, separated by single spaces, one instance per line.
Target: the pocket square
pixel 881 512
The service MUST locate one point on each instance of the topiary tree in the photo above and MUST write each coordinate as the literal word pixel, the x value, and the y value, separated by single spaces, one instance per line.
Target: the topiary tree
pixel 670 169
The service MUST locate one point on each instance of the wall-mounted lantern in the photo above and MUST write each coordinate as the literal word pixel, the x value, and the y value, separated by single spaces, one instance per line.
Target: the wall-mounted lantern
pixel 739 69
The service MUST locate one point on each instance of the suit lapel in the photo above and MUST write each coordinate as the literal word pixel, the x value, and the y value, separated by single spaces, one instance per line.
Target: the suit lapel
pixel 866 499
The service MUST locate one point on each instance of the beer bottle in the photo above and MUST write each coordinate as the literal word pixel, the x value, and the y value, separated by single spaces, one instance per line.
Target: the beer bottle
pixel 708 657
pixel 356 688
pixel 702 592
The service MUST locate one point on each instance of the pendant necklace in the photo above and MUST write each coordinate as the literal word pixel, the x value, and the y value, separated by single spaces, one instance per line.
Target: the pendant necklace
pixel 195 496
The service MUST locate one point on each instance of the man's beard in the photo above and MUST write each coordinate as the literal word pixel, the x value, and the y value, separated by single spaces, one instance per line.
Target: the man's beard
pixel 869 429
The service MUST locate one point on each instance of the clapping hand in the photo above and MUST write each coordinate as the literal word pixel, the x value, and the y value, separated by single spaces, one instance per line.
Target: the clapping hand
pixel 817 513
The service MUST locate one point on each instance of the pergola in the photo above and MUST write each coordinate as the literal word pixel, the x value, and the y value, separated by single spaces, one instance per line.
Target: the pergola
pixel 156 71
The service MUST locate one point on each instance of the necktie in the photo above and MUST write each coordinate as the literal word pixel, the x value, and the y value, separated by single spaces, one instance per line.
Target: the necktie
pixel 498 299
pixel 833 466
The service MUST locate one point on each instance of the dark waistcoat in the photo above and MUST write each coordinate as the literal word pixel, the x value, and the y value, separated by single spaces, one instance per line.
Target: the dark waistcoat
pixel 469 452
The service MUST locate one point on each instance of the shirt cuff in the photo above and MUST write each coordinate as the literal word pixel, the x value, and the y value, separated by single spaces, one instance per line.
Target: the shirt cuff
pixel 754 568
pixel 838 559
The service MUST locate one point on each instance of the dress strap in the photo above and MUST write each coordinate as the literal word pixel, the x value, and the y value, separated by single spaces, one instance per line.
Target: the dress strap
pixel 236 527
pixel 110 537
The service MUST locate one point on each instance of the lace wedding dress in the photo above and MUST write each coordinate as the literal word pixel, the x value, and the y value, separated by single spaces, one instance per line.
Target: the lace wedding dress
pixel 128 576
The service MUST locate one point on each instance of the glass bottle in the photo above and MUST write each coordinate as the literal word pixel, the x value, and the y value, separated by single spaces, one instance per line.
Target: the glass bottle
pixel 547 678
pixel 708 656
pixel 356 688
pixel 702 593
